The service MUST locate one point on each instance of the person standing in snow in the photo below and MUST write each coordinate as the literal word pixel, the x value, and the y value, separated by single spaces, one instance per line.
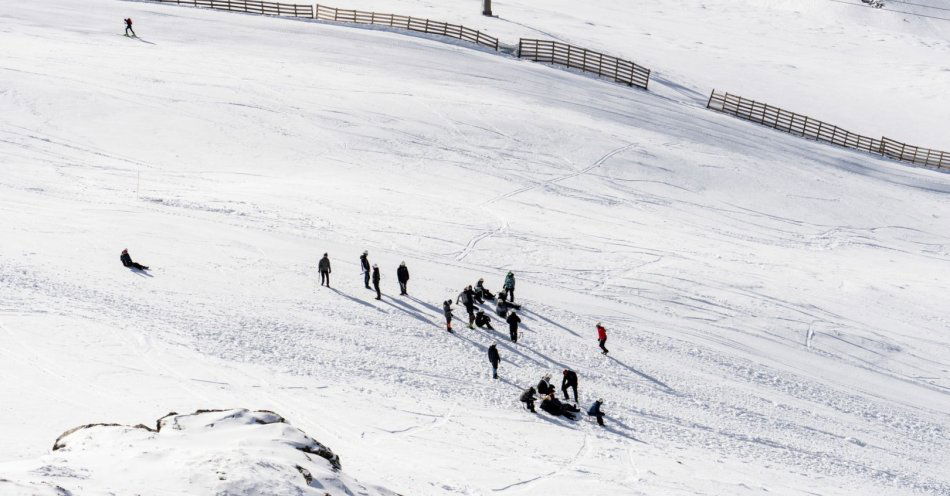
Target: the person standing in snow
pixel 509 286
pixel 569 381
pixel 495 359
pixel 602 338
pixel 402 275
pixel 364 263
pixel 128 26
pixel 324 267
pixel 467 297
pixel 513 321
pixel 376 281
pixel 528 399
pixel 594 411
pixel 127 261
pixel 447 311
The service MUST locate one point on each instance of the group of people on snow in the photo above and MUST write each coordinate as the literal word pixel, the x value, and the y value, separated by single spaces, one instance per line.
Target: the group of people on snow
pixel 552 405
pixel 469 296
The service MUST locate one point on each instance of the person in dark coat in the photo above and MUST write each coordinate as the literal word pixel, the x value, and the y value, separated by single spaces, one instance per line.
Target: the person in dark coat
pixel 127 261
pixel 324 267
pixel 376 281
pixel 467 297
pixel 447 311
pixel 483 321
pixel 602 338
pixel 594 411
pixel 544 385
pixel 402 275
pixel 364 263
pixel 513 321
pixel 495 359
pixel 510 286
pixel 128 26
pixel 569 381
pixel 528 399
pixel 553 406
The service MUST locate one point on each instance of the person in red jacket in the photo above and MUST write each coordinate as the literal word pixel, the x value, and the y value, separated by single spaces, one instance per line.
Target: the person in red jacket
pixel 128 26
pixel 602 337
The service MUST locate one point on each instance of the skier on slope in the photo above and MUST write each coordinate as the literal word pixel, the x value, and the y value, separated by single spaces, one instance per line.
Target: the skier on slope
pixel 602 338
pixel 376 281
pixel 447 311
pixel 569 381
pixel 127 261
pixel 594 411
pixel 364 264
pixel 483 321
pixel 494 359
pixel 402 275
pixel 513 321
pixel 324 267
pixel 128 26
pixel 528 399
pixel 509 286
pixel 467 297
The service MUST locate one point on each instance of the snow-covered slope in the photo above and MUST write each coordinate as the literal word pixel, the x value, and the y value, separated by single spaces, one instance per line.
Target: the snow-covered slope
pixel 233 452
pixel 774 306
pixel 874 71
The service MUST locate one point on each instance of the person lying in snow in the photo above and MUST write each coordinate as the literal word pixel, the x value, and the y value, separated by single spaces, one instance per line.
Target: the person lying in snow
pixel 127 261
pixel 552 405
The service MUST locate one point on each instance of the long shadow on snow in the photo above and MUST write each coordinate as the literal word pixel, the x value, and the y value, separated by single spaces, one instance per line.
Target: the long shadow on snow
pixel 140 273
pixel 357 300
pixel 665 388
pixel 409 309
pixel 549 321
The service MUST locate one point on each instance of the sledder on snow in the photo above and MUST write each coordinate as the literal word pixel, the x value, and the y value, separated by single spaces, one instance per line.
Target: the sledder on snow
pixel 127 261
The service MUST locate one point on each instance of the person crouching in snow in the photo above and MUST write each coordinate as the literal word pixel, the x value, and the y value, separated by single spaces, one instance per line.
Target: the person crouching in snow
pixel 127 261
pixel 528 399
pixel 594 411
pixel 483 321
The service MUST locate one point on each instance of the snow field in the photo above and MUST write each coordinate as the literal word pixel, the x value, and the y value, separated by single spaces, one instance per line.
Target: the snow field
pixel 770 302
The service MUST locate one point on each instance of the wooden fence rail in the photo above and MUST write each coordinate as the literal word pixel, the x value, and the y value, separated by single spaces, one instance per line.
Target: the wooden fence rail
pixel 250 6
pixel 622 71
pixel 801 125
pixel 417 24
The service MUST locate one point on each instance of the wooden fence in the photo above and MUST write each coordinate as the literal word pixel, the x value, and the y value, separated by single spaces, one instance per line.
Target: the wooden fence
pixel 801 125
pixel 250 6
pixel 622 71
pixel 427 26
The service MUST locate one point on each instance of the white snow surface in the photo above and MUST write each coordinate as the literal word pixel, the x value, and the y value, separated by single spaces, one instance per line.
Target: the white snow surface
pixel 776 308
pixel 235 452
pixel 872 71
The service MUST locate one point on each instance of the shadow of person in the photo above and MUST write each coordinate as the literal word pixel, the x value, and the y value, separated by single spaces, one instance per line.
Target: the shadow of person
pixel 357 300
pixel 662 386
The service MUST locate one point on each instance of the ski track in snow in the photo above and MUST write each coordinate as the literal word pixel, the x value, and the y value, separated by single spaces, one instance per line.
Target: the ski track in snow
pixel 707 272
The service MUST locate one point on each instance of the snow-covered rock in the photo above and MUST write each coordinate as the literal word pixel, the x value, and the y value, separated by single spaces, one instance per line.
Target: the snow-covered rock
pixel 221 452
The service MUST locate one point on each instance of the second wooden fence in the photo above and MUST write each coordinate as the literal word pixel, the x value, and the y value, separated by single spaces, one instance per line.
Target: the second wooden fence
pixel 554 52
pixel 807 127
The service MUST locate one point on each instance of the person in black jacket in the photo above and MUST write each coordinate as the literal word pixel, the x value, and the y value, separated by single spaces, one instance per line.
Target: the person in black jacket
pixel 495 359
pixel 127 261
pixel 402 275
pixel 483 321
pixel 467 297
pixel 569 381
pixel 364 263
pixel 376 281
pixel 447 311
pixel 528 399
pixel 544 386
pixel 513 321
pixel 482 293
pixel 553 406
pixel 324 267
